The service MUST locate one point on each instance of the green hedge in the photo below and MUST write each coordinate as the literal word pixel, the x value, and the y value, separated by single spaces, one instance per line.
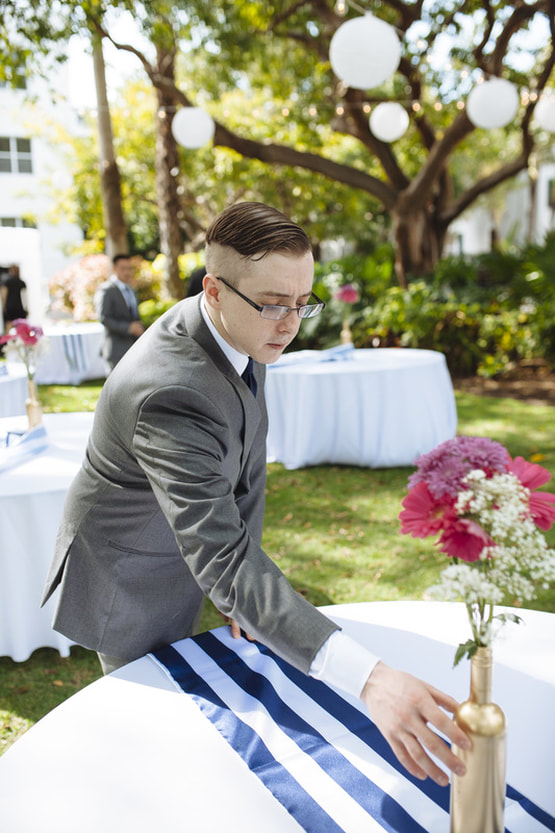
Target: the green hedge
pixel 486 313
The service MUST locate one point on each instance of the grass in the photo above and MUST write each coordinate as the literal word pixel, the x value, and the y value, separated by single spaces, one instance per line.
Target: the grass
pixel 332 530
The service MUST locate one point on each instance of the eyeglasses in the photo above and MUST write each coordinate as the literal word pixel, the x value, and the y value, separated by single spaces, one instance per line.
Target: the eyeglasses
pixel 278 311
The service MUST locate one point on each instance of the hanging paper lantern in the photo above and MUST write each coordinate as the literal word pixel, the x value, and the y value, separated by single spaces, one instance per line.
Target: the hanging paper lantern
pixel 192 127
pixel 389 121
pixel 544 113
pixel 493 103
pixel 364 52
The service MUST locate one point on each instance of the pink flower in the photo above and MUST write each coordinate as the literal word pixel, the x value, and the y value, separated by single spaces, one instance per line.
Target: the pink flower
pixel 422 515
pixel 542 504
pixel 28 333
pixel 444 468
pixel 464 539
pixel 348 293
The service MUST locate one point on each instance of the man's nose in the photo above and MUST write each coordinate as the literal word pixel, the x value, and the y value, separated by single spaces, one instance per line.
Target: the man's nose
pixel 289 324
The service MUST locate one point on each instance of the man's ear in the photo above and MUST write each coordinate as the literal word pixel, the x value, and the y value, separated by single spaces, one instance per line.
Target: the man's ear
pixel 212 290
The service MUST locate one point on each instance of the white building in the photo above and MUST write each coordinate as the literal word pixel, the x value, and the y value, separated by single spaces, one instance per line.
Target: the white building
pixel 33 164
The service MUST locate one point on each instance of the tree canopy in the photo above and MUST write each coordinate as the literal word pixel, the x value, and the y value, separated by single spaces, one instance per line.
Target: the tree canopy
pixel 262 70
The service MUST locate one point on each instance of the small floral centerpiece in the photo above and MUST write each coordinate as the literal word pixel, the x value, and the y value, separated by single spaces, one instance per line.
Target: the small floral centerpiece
pixel 347 294
pixel 487 514
pixel 24 340
pixel 488 517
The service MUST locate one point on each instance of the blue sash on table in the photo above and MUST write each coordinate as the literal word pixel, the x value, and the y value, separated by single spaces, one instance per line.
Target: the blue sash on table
pixel 74 351
pixel 318 754
pixel 21 446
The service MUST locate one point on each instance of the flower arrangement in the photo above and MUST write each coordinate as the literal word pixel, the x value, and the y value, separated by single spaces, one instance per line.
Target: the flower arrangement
pixel 23 339
pixel 348 294
pixel 485 509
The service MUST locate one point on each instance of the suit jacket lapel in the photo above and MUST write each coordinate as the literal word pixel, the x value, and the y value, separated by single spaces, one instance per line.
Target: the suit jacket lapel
pixel 253 409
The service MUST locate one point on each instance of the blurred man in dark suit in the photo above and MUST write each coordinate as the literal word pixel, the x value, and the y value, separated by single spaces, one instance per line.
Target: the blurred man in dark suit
pixel 116 308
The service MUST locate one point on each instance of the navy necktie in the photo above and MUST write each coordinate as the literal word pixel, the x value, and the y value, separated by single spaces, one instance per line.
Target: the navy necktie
pixel 248 376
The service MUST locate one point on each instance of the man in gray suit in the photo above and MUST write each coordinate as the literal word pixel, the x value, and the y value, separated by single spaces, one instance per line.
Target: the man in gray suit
pixel 116 308
pixel 168 505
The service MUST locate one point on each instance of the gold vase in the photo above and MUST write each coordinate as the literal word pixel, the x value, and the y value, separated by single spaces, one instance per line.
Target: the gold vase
pixel 32 406
pixel 346 334
pixel 477 798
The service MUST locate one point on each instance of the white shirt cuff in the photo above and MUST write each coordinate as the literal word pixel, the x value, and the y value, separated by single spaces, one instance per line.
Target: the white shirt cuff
pixel 344 663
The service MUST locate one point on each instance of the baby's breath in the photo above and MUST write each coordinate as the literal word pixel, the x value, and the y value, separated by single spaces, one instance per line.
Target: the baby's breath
pixel 512 568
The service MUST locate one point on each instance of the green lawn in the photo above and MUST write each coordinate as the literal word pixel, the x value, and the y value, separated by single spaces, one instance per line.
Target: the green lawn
pixel 333 531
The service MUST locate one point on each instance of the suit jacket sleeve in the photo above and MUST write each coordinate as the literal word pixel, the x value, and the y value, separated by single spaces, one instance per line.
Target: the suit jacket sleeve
pixel 112 310
pixel 218 522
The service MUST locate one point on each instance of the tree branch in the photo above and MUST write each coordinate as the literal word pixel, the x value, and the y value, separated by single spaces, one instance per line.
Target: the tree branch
pixel 418 191
pixel 283 155
pixel 483 186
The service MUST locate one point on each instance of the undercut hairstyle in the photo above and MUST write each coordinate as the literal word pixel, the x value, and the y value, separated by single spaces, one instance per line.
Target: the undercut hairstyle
pixel 255 230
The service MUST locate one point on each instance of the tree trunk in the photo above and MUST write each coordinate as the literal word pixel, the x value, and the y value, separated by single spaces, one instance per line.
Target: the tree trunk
pixel 419 241
pixel 167 197
pixel 115 226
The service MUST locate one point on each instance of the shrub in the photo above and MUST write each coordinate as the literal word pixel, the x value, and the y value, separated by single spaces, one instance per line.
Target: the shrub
pixel 72 289
pixel 485 313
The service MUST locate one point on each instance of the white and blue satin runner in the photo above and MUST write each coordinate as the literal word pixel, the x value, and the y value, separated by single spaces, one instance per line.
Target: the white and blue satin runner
pixel 74 351
pixel 320 756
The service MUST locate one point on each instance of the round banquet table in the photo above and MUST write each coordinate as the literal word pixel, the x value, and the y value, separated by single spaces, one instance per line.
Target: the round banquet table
pixel 13 390
pixel 139 754
pixel 72 354
pixel 32 495
pixel 375 408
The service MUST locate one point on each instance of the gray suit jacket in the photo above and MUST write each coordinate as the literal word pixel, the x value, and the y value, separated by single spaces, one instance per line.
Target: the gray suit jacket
pixel 112 310
pixel 168 506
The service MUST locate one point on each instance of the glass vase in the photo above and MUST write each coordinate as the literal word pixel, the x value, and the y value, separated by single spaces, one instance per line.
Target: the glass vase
pixel 32 406
pixel 477 798
pixel 346 334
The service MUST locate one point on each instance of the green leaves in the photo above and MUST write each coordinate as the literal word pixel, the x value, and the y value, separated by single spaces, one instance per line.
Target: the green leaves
pixel 465 649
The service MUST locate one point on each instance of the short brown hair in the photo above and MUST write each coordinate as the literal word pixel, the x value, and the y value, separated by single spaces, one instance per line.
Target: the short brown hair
pixel 254 229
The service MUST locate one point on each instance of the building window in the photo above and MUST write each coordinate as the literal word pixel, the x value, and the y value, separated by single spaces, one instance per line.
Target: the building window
pixel 17 222
pixel 15 155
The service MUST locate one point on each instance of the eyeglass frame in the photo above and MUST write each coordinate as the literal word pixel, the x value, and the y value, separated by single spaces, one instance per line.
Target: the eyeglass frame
pixel 319 305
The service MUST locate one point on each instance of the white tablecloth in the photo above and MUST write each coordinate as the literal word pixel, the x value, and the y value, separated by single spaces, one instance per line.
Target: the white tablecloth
pixel 13 390
pixel 31 501
pixel 374 408
pixel 140 755
pixel 72 355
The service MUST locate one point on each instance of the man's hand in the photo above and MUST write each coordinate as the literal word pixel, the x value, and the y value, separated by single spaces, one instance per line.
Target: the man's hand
pixel 402 706
pixel 136 328
pixel 236 628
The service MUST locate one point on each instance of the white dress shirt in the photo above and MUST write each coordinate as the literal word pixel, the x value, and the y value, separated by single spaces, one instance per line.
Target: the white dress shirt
pixel 341 661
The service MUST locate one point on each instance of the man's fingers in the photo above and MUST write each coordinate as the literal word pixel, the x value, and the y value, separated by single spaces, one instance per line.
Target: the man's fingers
pixel 423 762
pixel 403 756
pixel 408 711
pixel 448 728
pixel 444 700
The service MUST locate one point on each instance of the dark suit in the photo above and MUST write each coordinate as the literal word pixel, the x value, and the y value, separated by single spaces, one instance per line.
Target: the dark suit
pixel 115 314
pixel 168 506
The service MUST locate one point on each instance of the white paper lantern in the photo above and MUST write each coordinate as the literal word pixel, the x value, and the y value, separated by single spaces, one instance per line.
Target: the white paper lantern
pixel 544 113
pixel 192 127
pixel 389 121
pixel 493 103
pixel 364 52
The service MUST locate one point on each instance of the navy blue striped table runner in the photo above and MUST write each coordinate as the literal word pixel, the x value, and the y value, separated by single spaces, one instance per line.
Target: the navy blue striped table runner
pixel 317 753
